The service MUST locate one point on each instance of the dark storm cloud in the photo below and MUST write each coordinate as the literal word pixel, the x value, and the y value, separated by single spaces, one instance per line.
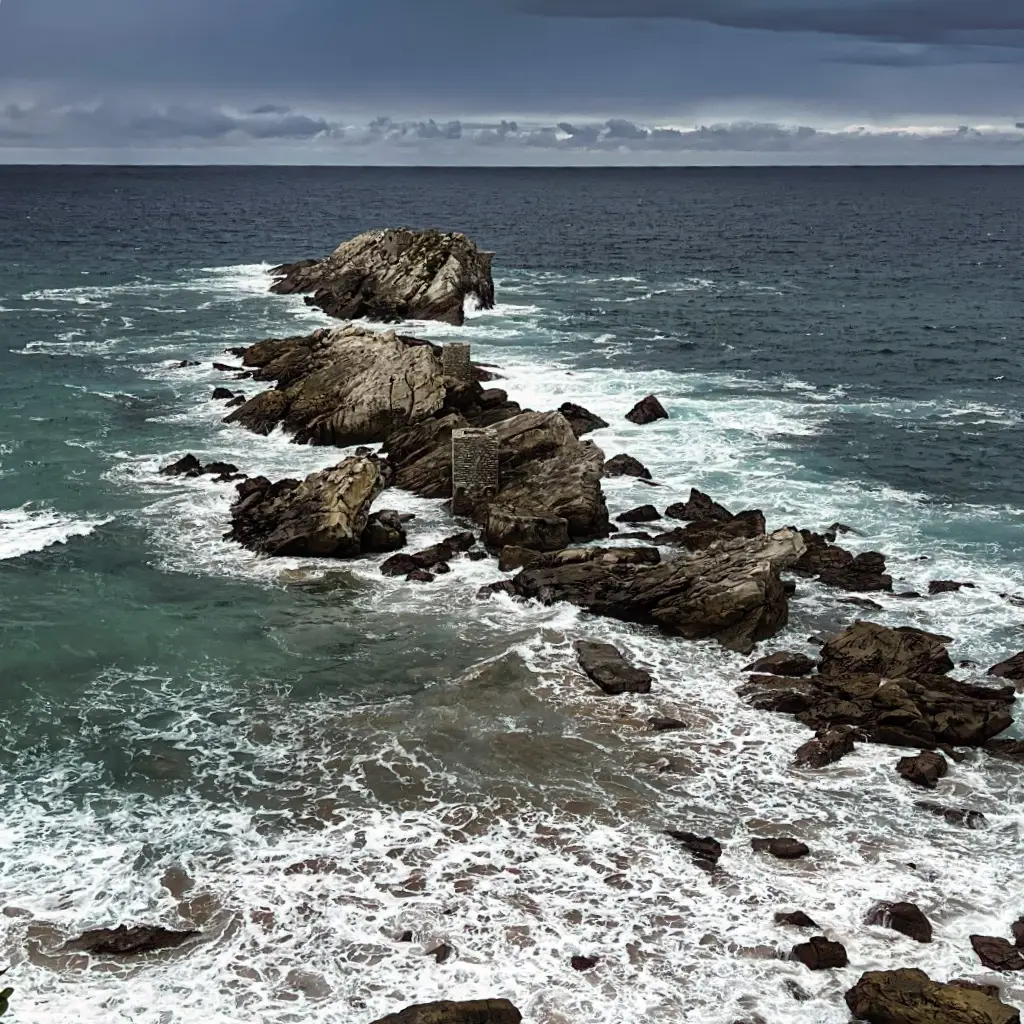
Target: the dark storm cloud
pixel 902 20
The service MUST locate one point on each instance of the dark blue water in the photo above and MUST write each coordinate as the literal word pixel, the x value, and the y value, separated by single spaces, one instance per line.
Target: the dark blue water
pixel 831 344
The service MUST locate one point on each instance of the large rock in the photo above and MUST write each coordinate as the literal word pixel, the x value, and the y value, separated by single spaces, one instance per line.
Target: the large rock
pixel 394 275
pixel 868 647
pixel 700 508
pixel 911 997
pixel 705 850
pixel 626 465
pixel 924 769
pixel 906 918
pixel 998 954
pixel 1012 668
pixel 323 516
pixel 820 954
pixel 125 941
pixel 840 568
pixel 709 522
pixel 783 663
pixel 582 421
pixel 343 386
pixel 481 1011
pixel 827 747
pixel 731 593
pixel 647 410
pixel 606 667
pixel 505 528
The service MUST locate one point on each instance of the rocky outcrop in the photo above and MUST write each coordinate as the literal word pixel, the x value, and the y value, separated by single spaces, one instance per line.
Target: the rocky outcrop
pixel 342 386
pixel 827 747
pixel 481 1011
pixel 394 275
pixel 783 663
pixel 709 522
pixel 998 954
pixel 647 410
pixel 640 514
pixel 323 516
pixel 948 587
pixel 820 954
pixel 731 593
pixel 125 941
pixel 506 528
pixel 781 849
pixel 906 918
pixel 384 531
pixel 794 919
pixel 840 568
pixel 954 815
pixel 924 769
pixel 705 851
pixel 910 997
pixel 626 465
pixel 605 666
pixel 885 683
pixel 582 421
pixel 189 466
pixel 1012 668
pixel 700 508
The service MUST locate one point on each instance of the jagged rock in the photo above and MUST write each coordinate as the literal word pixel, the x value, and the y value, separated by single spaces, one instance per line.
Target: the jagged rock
pixel 394 275
pixel 383 532
pixel 581 420
pixel 442 569
pixel 861 602
pixel 323 516
pixel 948 586
pixel 605 666
pixel 782 849
pixel 783 663
pixel 642 514
pixel 1012 668
pixel 839 528
pixel 505 528
pixel 827 747
pixel 706 852
pixel 343 386
pixel 1006 750
pixel 187 465
pixel 428 558
pixel 490 590
pixel 584 963
pixel 700 536
pixel 997 954
pixel 462 541
pixel 954 815
pixel 976 986
pixel 662 724
pixel 839 568
pixel 125 941
pixel 906 918
pixel 442 953
pixel 239 399
pixel 868 647
pixel 795 919
pixel 909 996
pixel 924 769
pixel 732 593
pixel 482 1011
pixel 225 368
pixel 647 410
pixel 700 508
pixel 820 954
pixel 222 394
pixel 635 535
pixel 626 465
pixel 513 557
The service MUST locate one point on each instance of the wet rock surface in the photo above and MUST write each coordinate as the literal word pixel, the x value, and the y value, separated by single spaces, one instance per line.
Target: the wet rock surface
pixel 607 668
pixel 827 747
pixel 128 941
pixel 582 421
pixel 783 663
pixel 997 953
pixel 626 465
pixel 923 769
pixel 906 918
pixel 840 568
pixel 647 410
pixel 481 1011
pixel 394 274
pixel 820 954
pixel 705 851
pixel 781 849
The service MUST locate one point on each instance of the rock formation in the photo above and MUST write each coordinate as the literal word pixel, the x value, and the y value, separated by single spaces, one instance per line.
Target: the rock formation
pixel 323 516
pixel 840 568
pixel 626 465
pixel 125 941
pixel 482 1011
pixel 1012 668
pixel 647 410
pixel 731 592
pixel 607 668
pixel 394 275
pixel 582 421
pixel 906 918
pixel 911 997
pixel 820 954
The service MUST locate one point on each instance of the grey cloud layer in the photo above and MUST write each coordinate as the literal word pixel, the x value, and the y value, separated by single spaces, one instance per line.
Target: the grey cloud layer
pixel 994 21
pixel 44 128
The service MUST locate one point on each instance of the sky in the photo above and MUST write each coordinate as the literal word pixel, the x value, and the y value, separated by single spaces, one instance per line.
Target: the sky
pixel 512 82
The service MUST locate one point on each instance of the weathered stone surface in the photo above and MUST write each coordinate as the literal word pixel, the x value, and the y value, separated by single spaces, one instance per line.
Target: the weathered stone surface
pixel 420 576
pixel 732 593
pixel 323 516
pixel 482 1011
pixel 1006 750
pixel 384 531
pixel 976 986
pixel 906 918
pixel 954 815
pixel 582 421
pixel 997 954
pixel 783 663
pixel 641 514
pixel 700 536
pixel 584 963
pixel 605 665
pixel 514 557
pixel 428 558
pixel 924 769
pixel 647 410
pixel 394 275
pixel 911 997
pixel 1012 668
pixel 868 647
pixel 343 386
pixel 706 852
pixel 794 919
pixel 782 849
pixel 700 508
pixel 125 941
pixel 222 394
pixel 506 528
pixel 839 568
pixel 820 954
pixel 827 747
pixel 626 465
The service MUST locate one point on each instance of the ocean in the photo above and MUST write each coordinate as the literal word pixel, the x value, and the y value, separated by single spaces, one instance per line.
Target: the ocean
pixel 306 760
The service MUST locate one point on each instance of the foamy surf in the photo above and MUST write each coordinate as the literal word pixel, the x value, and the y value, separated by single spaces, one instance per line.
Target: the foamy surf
pixel 27 529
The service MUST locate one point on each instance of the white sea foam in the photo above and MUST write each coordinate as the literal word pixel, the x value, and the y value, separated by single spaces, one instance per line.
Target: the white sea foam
pixel 28 529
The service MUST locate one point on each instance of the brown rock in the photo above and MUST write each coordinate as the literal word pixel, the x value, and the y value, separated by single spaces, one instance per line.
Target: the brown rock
pixel 1006 750
pixel 783 663
pixel 820 954
pixel 827 747
pixel 925 769
pixel 700 508
pixel 125 941
pixel 989 990
pixel 954 815
pixel 626 465
pixel 605 666
pixel 584 963
pixel 997 954
pixel 911 997
pixel 947 586
pixel 868 647
pixel 782 849
pixel 795 919
pixel 647 410
pixel 642 514
pixel 706 852
pixel 1012 668
pixel 483 1011
pixel 906 918
pixel 515 557
pixel 839 568
pixel 659 724
pixel 581 420
pixel 420 576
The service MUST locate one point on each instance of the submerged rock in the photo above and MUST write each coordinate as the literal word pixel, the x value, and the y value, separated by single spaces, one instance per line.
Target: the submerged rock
pixel 906 918
pixel 706 852
pixel 827 747
pixel 125 941
pixel 795 919
pixel 954 815
pixel 190 466
pixel 605 666
pixel 481 1011
pixel 782 849
pixel 647 410
pixel 323 516
pixel 732 593
pixel 909 996
pixel 394 275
